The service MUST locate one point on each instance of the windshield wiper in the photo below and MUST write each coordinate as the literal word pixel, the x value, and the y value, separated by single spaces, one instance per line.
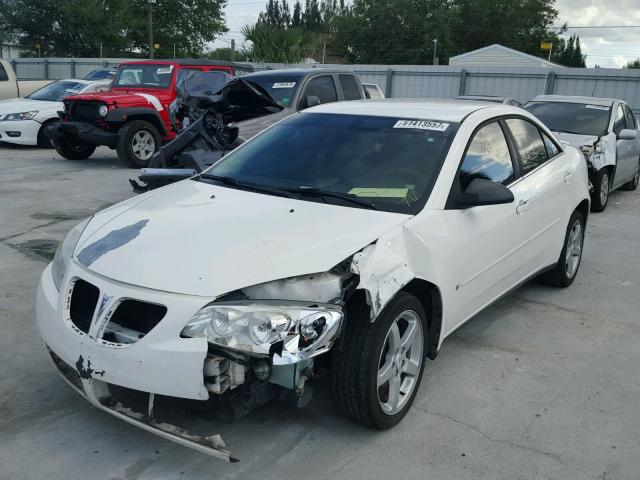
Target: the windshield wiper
pixel 316 192
pixel 247 186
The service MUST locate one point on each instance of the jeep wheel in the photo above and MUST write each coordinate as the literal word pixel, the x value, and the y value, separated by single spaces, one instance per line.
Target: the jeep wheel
pixel 137 142
pixel 377 366
pixel 73 151
pixel 601 190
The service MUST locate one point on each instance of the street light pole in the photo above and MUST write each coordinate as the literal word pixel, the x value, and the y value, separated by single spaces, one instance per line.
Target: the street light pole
pixel 435 48
pixel 151 3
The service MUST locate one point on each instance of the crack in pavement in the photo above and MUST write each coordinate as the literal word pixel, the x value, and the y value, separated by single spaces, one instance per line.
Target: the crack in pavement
pixel 475 429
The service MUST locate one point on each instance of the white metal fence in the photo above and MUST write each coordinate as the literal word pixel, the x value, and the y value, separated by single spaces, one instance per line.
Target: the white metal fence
pixel 419 81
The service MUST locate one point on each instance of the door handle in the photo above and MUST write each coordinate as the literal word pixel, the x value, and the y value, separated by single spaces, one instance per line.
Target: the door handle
pixel 628 148
pixel 522 206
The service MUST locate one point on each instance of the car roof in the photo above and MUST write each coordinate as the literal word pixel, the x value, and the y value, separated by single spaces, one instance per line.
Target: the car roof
pixel 447 110
pixel 608 102
pixel 189 61
pixel 295 72
pixel 486 98
pixel 83 80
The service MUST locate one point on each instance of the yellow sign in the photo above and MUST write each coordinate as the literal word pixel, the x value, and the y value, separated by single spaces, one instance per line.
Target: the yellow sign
pixel 546 45
pixel 156 45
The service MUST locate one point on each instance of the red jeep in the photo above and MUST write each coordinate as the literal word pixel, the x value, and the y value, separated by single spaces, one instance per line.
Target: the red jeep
pixel 132 117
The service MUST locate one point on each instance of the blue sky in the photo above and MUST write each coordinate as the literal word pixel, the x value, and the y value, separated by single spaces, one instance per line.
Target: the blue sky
pixel 607 47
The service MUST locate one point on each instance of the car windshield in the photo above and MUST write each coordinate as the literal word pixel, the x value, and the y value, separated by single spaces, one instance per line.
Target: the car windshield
pixel 100 74
pixel 281 88
pixel 56 91
pixel 579 118
pixel 143 76
pixel 382 163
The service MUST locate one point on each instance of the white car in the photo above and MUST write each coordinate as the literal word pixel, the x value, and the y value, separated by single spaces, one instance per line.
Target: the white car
pixel 605 130
pixel 355 236
pixel 23 121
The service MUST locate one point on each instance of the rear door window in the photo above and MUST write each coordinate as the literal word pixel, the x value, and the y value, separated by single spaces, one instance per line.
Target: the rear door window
pixel 3 74
pixel 533 152
pixel 350 88
pixel 323 88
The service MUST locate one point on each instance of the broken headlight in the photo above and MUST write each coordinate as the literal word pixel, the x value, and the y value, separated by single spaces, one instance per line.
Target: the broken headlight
pixel 294 330
pixel 64 253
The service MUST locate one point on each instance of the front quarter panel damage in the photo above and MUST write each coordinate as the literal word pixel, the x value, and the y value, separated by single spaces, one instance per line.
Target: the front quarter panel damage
pixel 384 267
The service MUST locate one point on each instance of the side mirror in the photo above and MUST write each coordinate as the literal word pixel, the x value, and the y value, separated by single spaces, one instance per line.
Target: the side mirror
pixel 628 134
pixel 483 192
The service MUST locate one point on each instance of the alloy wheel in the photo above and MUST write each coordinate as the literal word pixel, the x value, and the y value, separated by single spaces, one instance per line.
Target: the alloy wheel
pixel 604 188
pixel 574 249
pixel 143 145
pixel 400 362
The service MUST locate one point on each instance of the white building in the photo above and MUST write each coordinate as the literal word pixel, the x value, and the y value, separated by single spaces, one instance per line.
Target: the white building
pixel 499 56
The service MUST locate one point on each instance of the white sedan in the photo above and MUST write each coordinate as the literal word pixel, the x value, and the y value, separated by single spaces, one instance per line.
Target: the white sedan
pixel 23 121
pixel 353 237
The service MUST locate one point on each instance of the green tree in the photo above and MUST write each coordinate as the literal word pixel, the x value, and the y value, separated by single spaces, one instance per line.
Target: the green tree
pixel 280 45
pixel 569 52
pixel 633 64
pixel 73 28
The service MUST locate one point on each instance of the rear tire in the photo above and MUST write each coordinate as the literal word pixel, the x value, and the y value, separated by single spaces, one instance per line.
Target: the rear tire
pixel 633 183
pixel 80 151
pixel 601 189
pixel 566 270
pixel 137 142
pixel 377 366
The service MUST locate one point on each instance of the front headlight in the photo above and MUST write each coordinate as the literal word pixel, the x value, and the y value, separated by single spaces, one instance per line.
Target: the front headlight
pixel 103 111
pixel 291 331
pixel 20 116
pixel 65 252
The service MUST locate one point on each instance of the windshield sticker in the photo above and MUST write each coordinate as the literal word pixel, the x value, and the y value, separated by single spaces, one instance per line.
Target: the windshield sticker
pixel 164 70
pixel 284 85
pixel 422 125
pixel 597 107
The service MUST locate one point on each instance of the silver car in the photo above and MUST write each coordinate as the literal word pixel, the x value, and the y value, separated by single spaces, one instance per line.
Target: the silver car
pixel 605 129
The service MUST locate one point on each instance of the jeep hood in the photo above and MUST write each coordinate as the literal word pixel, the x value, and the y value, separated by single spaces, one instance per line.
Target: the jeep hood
pixel 199 239
pixel 121 97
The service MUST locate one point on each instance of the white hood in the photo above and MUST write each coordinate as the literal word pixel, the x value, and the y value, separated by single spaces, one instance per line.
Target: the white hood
pixel 19 105
pixel 199 239
pixel 575 139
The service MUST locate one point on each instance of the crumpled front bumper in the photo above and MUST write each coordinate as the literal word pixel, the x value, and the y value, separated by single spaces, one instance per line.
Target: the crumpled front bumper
pixel 82 132
pixel 159 363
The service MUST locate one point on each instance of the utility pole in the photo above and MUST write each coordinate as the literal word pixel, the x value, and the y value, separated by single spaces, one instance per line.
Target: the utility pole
pixel 324 52
pixel 233 49
pixel 100 49
pixel 151 3
pixel 435 48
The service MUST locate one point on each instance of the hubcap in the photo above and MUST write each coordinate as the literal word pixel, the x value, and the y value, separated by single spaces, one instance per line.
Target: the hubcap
pixel 636 179
pixel 604 189
pixel 574 249
pixel 400 362
pixel 143 145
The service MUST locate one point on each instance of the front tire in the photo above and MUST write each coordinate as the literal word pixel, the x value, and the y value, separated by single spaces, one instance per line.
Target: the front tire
pixel 73 151
pixel 566 270
pixel 633 183
pixel 137 142
pixel 601 189
pixel 43 137
pixel 377 367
